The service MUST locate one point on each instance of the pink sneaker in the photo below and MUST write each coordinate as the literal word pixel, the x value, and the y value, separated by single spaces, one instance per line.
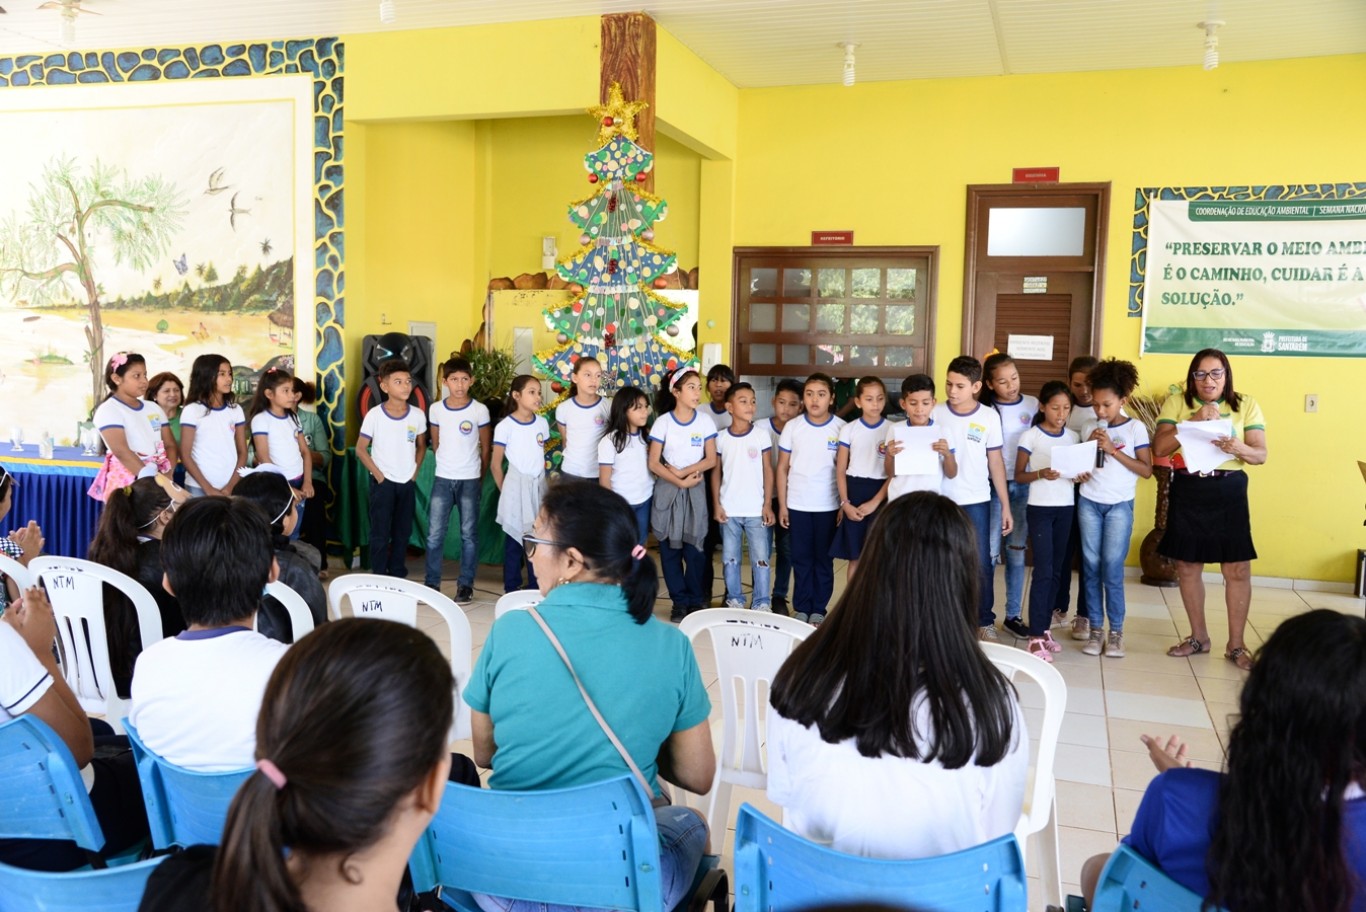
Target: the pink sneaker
pixel 1038 647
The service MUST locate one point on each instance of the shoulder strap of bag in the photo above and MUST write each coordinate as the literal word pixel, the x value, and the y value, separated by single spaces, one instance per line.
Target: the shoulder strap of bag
pixel 592 707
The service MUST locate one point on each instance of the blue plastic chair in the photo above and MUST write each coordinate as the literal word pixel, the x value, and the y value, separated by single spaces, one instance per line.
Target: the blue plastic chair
pixel 778 871
pixel 1130 881
pixel 184 807
pixel 593 845
pixel 110 890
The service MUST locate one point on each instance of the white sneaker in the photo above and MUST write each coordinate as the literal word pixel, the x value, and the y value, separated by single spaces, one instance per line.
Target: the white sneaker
pixel 1095 643
pixel 802 616
pixel 1081 629
pixel 1059 619
pixel 736 603
pixel 988 633
pixel 1114 646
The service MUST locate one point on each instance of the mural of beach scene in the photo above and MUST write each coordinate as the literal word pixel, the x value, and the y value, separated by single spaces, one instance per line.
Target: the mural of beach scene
pixel 166 229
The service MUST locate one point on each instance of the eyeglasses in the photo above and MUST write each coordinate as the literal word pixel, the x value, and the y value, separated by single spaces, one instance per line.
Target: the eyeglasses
pixel 1216 374
pixel 529 542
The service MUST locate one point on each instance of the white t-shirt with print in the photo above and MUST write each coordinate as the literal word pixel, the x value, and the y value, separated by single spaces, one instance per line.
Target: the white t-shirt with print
pixel 1039 444
pixel 1114 482
pixel 458 455
pixel 23 679
pixel 523 444
pixel 972 436
pixel 141 424
pixel 215 439
pixel 1016 418
pixel 630 468
pixel 684 444
pixel 282 434
pixel 867 446
pixel 811 463
pixel 392 441
pixel 585 425
pixel 742 470
pixel 905 484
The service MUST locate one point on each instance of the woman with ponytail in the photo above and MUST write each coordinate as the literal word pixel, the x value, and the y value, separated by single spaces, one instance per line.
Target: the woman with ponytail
pixel 531 723
pixel 348 775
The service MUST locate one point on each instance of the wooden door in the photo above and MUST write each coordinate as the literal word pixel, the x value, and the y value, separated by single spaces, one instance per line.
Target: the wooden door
pixel 1060 313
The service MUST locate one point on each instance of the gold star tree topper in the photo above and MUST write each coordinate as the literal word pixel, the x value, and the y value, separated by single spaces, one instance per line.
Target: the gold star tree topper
pixel 618 116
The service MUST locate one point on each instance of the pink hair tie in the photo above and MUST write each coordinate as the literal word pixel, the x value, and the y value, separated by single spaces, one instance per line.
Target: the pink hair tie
pixel 272 772
pixel 638 552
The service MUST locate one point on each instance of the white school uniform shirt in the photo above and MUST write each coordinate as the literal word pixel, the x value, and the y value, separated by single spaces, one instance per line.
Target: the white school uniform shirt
pixel 742 470
pixel 215 439
pixel 721 419
pixel 1016 417
pixel 458 456
pixel 905 484
pixel 523 444
pixel 811 463
pixel 392 441
pixel 774 434
pixel 683 443
pixel 1113 482
pixel 972 436
pixel 196 696
pixel 141 423
pixel 630 468
pixel 23 679
pixel 1080 416
pixel 1039 444
pixel 586 425
pixel 867 446
pixel 282 433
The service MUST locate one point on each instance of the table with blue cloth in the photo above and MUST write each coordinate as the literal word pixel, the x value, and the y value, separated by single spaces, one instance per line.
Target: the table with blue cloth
pixel 53 492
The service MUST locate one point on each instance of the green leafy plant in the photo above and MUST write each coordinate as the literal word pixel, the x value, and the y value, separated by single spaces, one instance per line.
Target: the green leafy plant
pixel 494 370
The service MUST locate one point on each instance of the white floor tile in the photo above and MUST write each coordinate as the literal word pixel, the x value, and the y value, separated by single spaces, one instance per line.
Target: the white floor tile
pixel 1147 708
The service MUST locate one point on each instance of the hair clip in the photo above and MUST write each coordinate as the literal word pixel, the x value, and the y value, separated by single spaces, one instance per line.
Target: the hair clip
pixel 118 361
pixel 271 772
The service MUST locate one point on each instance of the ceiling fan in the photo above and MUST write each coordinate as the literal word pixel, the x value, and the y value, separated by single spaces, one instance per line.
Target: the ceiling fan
pixel 68 10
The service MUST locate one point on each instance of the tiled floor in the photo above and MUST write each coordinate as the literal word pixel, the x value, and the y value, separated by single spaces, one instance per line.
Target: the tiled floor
pixel 1102 767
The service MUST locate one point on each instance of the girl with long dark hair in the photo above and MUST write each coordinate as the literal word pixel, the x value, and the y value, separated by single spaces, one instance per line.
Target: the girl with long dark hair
pixel 213 428
pixel 624 455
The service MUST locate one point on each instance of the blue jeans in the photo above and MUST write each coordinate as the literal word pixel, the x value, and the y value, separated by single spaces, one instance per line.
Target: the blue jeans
pixel 734 532
pixel 682 568
pixel 980 515
pixel 446 493
pixel 682 839
pixel 813 569
pixel 642 511
pixel 1015 542
pixel 1105 531
pixel 780 546
pixel 1049 528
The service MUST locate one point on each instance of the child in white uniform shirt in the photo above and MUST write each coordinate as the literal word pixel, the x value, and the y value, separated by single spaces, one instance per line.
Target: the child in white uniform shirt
pixel 213 438
pixel 1082 412
pixel 460 432
pixel 742 486
pixel 917 401
pixel 392 444
pixel 861 471
pixel 521 437
pixel 787 404
pixel 624 455
pixel 135 432
pixel 1017 411
pixel 582 420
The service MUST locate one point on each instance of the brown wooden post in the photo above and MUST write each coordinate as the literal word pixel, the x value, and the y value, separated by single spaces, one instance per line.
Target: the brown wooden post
pixel 628 57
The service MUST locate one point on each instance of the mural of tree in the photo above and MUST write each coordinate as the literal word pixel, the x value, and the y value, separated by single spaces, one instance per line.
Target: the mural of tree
pixel 76 220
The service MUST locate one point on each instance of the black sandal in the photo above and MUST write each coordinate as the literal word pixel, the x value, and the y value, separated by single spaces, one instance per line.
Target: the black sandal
pixel 1242 657
pixel 1190 645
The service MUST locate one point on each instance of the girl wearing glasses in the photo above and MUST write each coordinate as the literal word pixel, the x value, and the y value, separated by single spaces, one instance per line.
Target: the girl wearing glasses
pixel 1207 521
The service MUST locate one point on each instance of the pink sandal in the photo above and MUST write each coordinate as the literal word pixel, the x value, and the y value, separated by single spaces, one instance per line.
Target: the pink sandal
pixel 1038 647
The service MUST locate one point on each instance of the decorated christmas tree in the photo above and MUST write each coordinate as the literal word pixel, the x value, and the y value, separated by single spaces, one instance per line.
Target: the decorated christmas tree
pixel 615 314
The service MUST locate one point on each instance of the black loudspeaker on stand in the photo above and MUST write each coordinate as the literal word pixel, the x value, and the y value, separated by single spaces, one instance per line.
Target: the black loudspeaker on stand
pixel 375 350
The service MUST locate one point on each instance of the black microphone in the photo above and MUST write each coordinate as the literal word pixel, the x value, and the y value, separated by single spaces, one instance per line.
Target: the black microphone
pixel 1101 425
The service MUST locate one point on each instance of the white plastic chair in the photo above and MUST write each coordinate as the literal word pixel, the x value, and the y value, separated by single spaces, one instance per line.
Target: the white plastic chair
pixel 1039 817
pixel 392 599
pixel 516 601
pixel 300 616
pixel 750 647
pixel 75 588
pixel 16 571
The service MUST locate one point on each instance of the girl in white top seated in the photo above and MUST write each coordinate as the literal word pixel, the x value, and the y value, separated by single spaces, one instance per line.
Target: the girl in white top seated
pixel 892 734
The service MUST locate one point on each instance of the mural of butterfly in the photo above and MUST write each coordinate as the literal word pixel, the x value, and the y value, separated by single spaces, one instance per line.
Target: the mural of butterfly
pixel 182 265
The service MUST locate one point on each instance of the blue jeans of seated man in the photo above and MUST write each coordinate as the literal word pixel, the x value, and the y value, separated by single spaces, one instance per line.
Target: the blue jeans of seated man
pixel 1105 531
pixel 448 493
pixel 1014 543
pixel 734 532
pixel 682 840
pixel 980 515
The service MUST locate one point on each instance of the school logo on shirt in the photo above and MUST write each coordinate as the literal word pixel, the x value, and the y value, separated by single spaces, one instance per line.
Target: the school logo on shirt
pixel 753 452
pixel 882 449
pixel 977 433
pixel 1025 420
pixel 540 439
pixel 695 440
pixel 155 422
pixel 598 420
pixel 833 443
pixel 412 433
pixel 467 427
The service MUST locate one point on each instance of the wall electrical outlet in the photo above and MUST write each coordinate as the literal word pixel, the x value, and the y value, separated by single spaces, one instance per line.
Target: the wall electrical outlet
pixel 1311 402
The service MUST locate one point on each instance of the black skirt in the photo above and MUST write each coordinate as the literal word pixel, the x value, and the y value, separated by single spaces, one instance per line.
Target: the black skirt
pixel 849 535
pixel 1207 520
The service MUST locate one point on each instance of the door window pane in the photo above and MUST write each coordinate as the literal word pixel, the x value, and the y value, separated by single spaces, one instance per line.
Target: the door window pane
pixel 830 318
pixel 898 356
pixel 796 354
pixel 831 283
pixel 829 355
pixel 763 317
pixel 867 283
pixel 763 282
pixel 900 318
pixel 864 318
pixel 901 284
pixel 1036 232
pixel 796 283
pixel 763 353
pixel 863 355
pixel 796 317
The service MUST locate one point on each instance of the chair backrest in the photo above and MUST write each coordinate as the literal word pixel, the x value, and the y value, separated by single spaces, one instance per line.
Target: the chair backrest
pixel 392 599
pixel 1130 881
pixel 516 601
pixel 778 871
pixel 76 589
pixel 15 571
pixel 41 792
pixel 593 845
pixel 300 616
pixel 184 807
pixel 1015 663
pixel 117 889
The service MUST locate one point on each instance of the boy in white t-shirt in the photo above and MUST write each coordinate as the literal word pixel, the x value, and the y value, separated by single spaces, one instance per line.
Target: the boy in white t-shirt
pixel 787 404
pixel 392 444
pixel 742 489
pixel 917 401
pixel 196 695
pixel 461 437
pixel 974 433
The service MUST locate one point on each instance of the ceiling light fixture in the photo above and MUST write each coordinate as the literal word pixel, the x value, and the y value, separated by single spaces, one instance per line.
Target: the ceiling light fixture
pixel 1211 27
pixel 848 61
pixel 387 14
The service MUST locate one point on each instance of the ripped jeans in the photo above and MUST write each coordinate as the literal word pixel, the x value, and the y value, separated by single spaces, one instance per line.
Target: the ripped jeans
pixel 734 531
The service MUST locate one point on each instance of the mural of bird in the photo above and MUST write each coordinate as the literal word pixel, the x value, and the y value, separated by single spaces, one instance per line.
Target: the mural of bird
pixel 266 248
pixel 234 212
pixel 182 265
pixel 216 185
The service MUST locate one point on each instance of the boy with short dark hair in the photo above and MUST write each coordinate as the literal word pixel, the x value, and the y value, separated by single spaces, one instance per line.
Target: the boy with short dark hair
pixel 461 436
pixel 741 492
pixel 391 446
pixel 787 404
pixel 1083 414
pixel 196 695
pixel 917 401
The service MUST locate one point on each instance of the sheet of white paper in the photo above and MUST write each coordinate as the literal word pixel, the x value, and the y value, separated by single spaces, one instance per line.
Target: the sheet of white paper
pixel 1197 443
pixel 1074 460
pixel 917 456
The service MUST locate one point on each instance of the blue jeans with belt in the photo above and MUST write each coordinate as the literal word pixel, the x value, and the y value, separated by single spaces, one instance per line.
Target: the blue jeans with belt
pixel 446 494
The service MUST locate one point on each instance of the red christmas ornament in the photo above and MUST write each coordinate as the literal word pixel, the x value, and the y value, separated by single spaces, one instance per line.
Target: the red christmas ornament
pixel 607 121
pixel 645 368
pixel 573 359
pixel 612 203
pixel 661 282
pixel 641 177
pixel 592 178
pixel 609 339
pixel 611 327
pixel 672 363
pixel 557 387
pixel 578 307
pixel 612 266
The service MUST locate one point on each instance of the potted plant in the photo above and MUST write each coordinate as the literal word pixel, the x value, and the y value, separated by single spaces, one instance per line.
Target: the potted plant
pixel 1157 570
pixel 494 370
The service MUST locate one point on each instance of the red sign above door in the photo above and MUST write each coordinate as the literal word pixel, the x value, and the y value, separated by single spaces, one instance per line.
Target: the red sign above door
pixel 832 239
pixel 1035 175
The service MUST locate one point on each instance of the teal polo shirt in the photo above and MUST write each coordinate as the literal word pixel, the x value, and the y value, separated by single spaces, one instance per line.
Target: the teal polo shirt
pixel 643 678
